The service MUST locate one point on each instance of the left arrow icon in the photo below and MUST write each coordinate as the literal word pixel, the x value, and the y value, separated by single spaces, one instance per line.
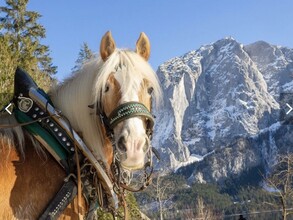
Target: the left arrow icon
pixel 7 109
pixel 290 109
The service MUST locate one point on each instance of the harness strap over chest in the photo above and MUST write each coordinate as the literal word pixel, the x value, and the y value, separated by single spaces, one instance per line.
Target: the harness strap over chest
pixel 62 199
pixel 32 103
pixel 57 136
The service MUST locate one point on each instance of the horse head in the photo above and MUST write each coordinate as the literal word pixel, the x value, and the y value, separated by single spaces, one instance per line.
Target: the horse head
pixel 120 87
pixel 126 100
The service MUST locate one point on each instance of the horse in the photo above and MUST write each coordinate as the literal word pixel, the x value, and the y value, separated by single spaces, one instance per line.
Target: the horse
pixel 30 176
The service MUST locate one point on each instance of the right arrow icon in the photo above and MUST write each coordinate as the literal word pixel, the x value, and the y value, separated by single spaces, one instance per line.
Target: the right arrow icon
pixel 290 109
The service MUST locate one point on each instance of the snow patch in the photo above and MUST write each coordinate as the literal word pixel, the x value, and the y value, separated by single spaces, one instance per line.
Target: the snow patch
pixel 192 159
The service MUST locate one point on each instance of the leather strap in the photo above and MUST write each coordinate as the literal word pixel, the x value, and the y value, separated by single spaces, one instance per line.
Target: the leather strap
pixel 61 200
pixel 129 110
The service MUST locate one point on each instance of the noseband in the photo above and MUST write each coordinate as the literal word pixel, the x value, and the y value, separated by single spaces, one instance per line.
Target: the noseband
pixel 128 110
pixel 125 178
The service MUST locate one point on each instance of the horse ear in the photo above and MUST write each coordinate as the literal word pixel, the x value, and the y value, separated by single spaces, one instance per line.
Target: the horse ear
pixel 107 46
pixel 143 46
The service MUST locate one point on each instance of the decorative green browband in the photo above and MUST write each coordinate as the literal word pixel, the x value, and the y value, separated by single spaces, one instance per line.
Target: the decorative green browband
pixel 130 110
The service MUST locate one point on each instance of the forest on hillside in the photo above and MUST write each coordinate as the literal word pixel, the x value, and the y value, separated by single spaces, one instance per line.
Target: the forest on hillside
pixel 173 197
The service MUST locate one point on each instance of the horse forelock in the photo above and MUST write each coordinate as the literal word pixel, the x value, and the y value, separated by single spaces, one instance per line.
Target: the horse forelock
pixel 132 70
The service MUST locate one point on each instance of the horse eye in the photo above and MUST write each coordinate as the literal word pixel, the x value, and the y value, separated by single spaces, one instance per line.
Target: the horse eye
pixel 150 90
pixel 107 88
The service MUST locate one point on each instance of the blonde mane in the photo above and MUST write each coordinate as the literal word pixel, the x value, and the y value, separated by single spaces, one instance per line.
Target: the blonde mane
pixel 84 88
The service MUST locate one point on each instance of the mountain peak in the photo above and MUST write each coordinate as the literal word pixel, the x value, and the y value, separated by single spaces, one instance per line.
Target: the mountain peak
pixel 216 95
pixel 227 40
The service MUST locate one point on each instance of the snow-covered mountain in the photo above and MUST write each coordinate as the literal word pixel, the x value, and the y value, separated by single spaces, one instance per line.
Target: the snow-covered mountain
pixel 221 110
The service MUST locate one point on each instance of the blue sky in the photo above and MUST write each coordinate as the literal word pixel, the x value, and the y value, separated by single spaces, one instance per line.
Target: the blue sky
pixel 174 27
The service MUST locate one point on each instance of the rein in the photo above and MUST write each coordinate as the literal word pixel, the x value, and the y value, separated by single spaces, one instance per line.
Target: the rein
pixel 6 126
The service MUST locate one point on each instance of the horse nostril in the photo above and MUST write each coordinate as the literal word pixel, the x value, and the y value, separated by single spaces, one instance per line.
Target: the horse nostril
pixel 146 145
pixel 121 145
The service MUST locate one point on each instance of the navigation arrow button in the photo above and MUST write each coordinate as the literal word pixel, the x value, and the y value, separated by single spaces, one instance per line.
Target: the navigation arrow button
pixel 290 109
pixel 7 109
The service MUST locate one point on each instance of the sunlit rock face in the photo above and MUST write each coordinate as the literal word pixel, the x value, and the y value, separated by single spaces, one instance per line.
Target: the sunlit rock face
pixel 221 108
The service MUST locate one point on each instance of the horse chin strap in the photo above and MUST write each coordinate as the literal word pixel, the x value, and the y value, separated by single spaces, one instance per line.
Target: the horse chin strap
pixel 132 180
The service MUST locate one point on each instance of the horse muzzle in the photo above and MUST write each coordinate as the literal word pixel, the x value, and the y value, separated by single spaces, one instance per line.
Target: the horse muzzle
pixel 128 171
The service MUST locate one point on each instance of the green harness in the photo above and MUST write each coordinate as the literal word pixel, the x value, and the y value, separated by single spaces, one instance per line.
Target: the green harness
pixel 33 107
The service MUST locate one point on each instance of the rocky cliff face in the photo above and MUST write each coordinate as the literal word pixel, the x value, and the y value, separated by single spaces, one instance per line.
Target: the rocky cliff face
pixel 221 108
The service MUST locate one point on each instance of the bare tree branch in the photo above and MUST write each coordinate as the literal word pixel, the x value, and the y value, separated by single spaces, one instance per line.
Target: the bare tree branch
pixel 281 180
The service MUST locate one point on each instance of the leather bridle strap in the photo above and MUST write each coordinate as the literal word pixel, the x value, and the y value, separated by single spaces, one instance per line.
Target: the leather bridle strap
pixel 129 110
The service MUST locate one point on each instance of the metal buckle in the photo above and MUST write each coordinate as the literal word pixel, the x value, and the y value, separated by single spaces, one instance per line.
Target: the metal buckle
pixel 24 104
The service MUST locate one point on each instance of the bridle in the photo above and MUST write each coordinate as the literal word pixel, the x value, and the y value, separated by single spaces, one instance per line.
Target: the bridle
pixel 128 179
pixel 125 111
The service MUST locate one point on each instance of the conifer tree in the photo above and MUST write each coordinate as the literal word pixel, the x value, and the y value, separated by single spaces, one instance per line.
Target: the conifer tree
pixel 20 36
pixel 84 55
pixel 7 65
pixel 24 33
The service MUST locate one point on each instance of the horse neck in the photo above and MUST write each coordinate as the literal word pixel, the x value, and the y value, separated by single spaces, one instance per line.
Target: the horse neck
pixel 73 98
